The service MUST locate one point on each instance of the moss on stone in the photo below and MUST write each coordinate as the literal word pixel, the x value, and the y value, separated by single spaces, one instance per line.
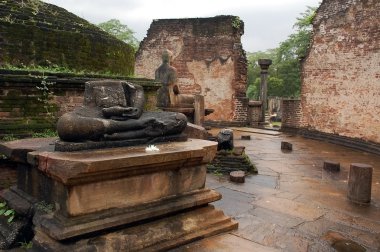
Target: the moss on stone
pixel 37 33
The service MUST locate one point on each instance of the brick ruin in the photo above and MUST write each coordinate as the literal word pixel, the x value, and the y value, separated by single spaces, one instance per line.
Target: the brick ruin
pixel 340 94
pixel 209 58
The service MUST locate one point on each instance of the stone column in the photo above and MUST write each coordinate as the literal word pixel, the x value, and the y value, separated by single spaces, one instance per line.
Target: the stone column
pixel 264 65
pixel 360 183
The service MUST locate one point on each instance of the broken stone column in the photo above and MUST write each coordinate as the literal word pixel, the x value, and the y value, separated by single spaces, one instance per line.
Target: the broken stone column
pixel 264 65
pixel 199 109
pixel 360 183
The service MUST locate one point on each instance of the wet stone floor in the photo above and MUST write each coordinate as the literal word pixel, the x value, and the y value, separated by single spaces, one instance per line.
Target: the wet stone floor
pixel 293 204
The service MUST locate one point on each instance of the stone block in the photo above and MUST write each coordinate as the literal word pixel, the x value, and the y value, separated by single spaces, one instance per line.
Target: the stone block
pixel 360 183
pixel 332 166
pixel 286 146
pixel 237 176
pixel 246 137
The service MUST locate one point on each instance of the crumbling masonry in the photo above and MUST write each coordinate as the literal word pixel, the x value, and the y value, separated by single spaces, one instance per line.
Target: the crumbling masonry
pixel 209 58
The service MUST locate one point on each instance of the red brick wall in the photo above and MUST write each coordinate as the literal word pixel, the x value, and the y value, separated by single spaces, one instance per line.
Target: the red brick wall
pixel 291 113
pixel 341 74
pixel 209 58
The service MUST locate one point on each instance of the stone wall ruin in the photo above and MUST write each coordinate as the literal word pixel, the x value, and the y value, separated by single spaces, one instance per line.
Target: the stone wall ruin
pixel 209 58
pixel 341 74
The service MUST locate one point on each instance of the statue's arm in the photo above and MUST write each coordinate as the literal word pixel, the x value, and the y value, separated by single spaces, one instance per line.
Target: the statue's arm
pixel 137 100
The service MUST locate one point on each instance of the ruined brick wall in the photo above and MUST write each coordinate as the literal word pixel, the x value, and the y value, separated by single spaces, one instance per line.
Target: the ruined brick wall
pixel 291 114
pixel 341 73
pixel 23 112
pixel 36 33
pixel 209 58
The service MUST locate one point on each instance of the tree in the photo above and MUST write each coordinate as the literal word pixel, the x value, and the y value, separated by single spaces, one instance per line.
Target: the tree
pixel 284 72
pixel 120 31
pixel 254 71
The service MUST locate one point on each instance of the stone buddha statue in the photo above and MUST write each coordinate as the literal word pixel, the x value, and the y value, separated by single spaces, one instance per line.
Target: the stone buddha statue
pixel 113 110
pixel 169 94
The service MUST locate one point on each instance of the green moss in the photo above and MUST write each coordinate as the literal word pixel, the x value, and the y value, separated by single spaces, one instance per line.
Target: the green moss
pixel 43 34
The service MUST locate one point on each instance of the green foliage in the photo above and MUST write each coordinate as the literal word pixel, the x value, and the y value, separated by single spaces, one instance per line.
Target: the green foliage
pixel 236 22
pixel 43 206
pixel 26 245
pixel 45 133
pixel 53 68
pixel 9 213
pixel 284 73
pixel 120 31
pixel 44 98
pixel 217 173
pixel 9 137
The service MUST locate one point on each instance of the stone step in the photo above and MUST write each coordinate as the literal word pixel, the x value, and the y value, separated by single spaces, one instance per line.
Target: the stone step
pixel 62 228
pixel 157 235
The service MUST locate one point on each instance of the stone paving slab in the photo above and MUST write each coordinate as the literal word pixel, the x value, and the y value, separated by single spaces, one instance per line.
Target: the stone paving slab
pixel 225 243
pixel 293 204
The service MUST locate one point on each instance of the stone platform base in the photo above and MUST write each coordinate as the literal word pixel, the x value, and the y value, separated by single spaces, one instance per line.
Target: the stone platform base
pixel 155 235
pixel 63 228
pixel 90 145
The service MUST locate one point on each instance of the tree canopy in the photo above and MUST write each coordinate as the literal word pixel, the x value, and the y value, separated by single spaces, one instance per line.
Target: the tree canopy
pixel 120 31
pixel 284 73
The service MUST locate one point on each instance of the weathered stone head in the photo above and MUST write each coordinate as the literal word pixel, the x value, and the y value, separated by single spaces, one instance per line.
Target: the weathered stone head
pixel 167 56
pixel 225 139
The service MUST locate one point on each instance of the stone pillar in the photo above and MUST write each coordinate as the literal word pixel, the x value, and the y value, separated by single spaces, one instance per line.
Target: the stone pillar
pixel 360 183
pixel 264 65
pixel 199 109
pixel 254 113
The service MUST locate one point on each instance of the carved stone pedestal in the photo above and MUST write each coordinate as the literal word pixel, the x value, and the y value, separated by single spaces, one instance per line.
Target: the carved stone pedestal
pixel 122 199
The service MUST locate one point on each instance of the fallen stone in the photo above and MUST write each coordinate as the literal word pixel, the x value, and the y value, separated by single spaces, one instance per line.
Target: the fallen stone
pixel 246 137
pixel 238 150
pixel 237 176
pixel 286 146
pixel 331 166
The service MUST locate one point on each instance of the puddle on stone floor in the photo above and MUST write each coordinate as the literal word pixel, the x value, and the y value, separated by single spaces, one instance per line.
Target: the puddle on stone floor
pixel 341 244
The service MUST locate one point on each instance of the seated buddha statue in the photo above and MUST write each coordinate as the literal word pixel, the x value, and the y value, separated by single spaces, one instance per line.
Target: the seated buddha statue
pixel 113 110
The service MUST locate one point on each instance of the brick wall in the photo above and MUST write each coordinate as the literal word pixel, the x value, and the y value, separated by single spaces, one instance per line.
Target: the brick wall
pixel 291 114
pixel 341 74
pixel 21 112
pixel 209 59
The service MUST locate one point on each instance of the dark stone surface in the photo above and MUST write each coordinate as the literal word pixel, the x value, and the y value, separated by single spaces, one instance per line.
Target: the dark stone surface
pixel 225 139
pixel 12 233
pixel 227 161
pixel 246 137
pixel 329 165
pixel 113 113
pixel 20 228
pixel 286 146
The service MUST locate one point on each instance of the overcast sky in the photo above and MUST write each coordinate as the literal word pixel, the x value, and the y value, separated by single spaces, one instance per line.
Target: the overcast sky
pixel 267 22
